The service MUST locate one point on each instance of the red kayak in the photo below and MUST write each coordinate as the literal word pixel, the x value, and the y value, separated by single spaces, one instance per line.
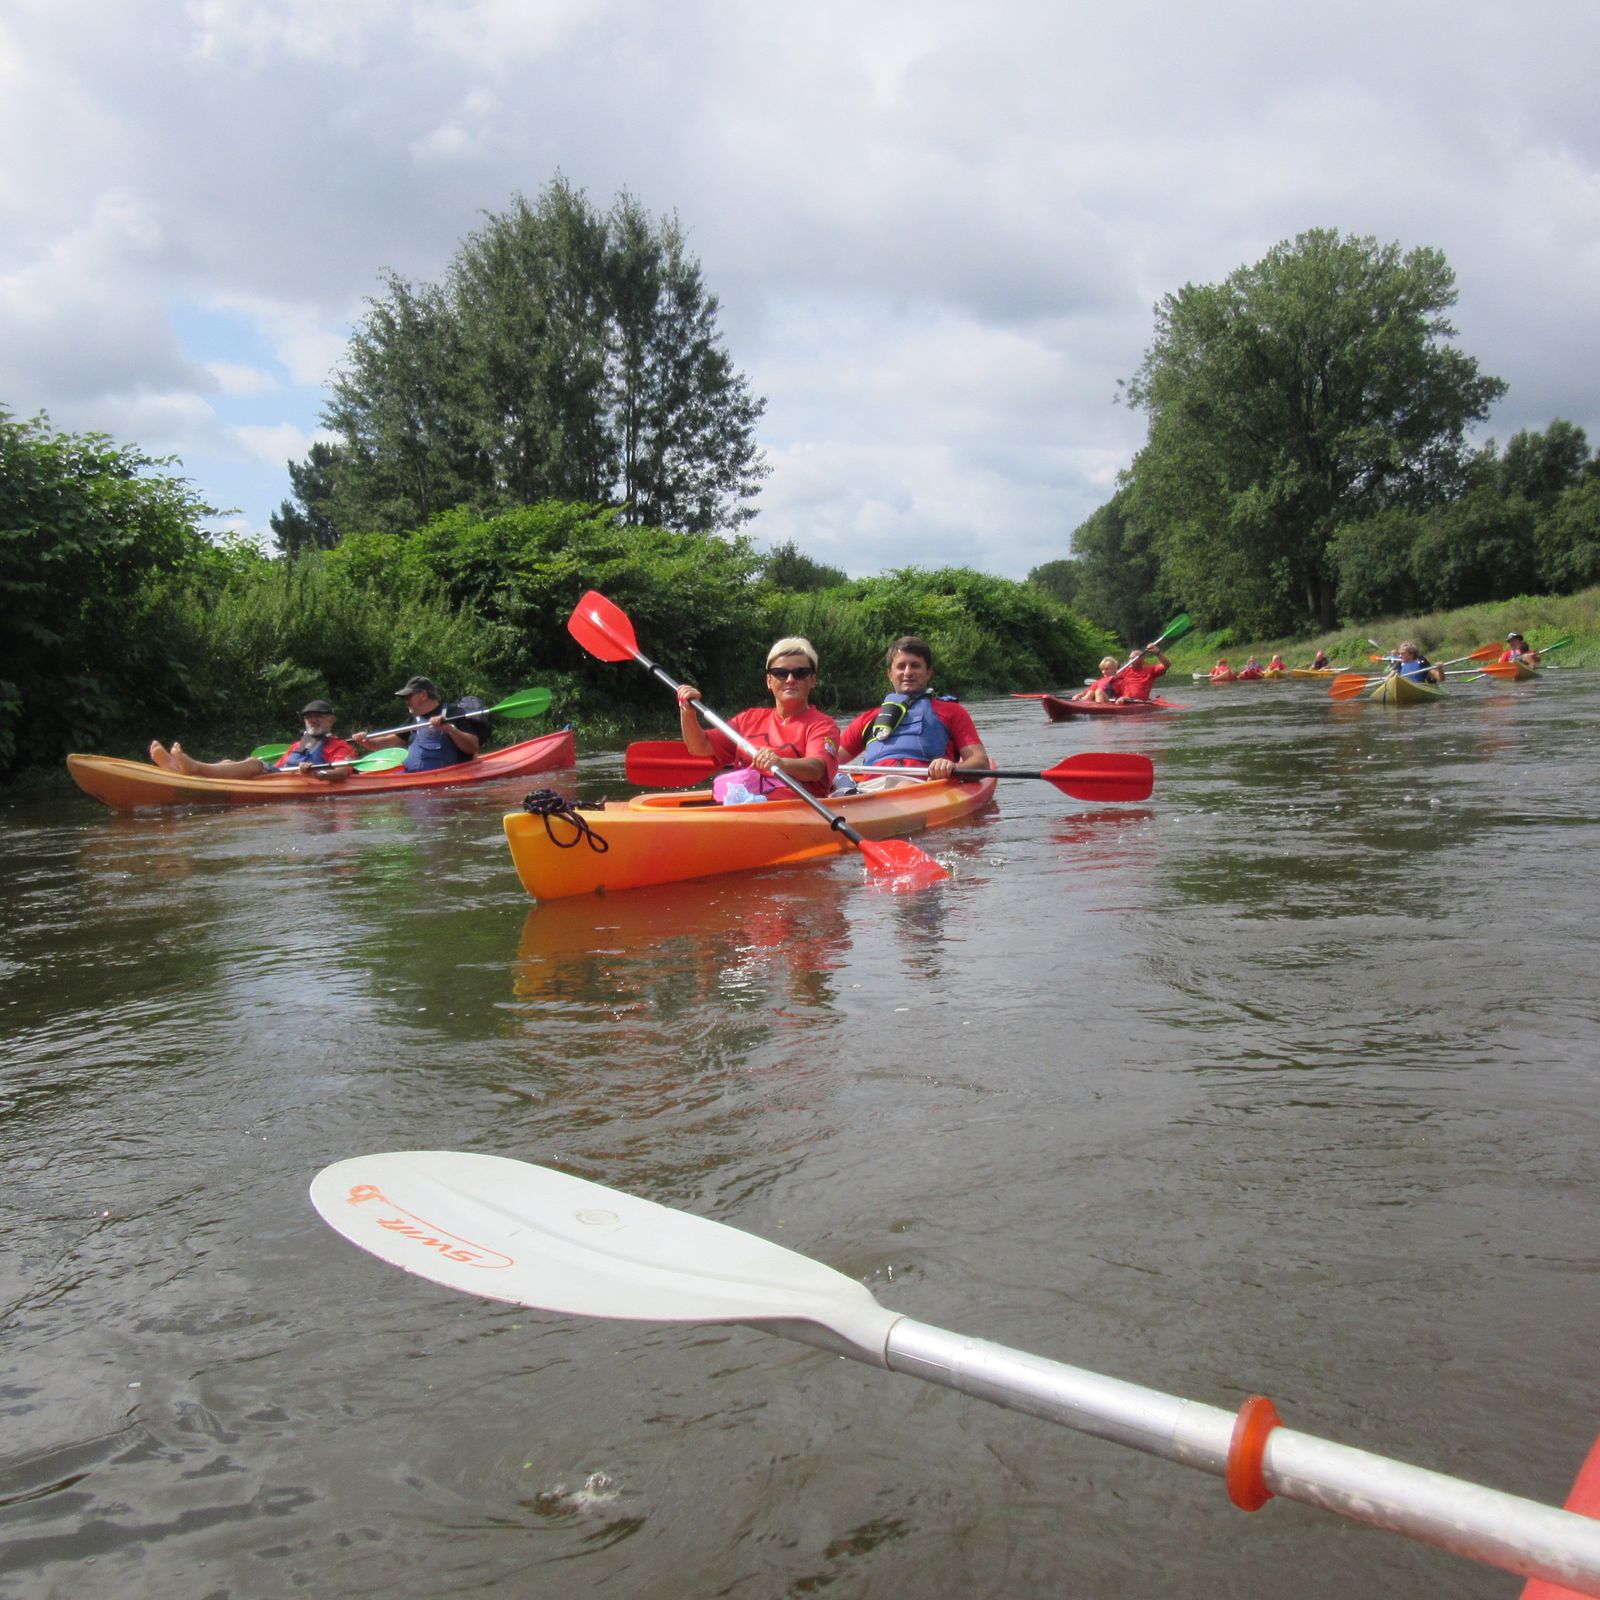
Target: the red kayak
pixel 1059 710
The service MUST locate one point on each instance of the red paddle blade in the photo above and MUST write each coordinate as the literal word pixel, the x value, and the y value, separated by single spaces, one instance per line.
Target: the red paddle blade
pixel 603 629
pixel 1103 776
pixel 909 867
pixel 665 764
pixel 1501 669
pixel 1348 685
pixel 1486 652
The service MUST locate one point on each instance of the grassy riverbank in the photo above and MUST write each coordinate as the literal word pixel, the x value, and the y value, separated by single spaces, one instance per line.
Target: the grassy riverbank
pixel 1441 634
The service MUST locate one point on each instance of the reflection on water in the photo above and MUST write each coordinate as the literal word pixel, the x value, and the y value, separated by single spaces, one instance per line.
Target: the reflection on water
pixel 1282 1080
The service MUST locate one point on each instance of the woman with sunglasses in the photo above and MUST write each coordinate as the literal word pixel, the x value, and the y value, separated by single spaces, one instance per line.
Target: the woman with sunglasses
pixel 790 736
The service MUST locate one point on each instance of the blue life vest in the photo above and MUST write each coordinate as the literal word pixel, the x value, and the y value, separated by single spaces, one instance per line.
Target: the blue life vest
pixel 1414 669
pixel 430 748
pixel 907 730
pixel 304 757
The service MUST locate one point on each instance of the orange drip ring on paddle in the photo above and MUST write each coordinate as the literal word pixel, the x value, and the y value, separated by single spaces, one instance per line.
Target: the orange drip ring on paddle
pixel 1246 1486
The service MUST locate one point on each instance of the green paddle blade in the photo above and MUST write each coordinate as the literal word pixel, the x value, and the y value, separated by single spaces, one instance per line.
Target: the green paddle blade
pixel 524 703
pixel 379 761
pixel 269 752
pixel 1176 629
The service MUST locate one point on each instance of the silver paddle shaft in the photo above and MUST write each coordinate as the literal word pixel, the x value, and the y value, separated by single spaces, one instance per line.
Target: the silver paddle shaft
pixel 1502 1530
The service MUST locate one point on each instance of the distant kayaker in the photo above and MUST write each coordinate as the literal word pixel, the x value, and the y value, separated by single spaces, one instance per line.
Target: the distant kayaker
pixel 1251 670
pixel 1319 662
pixel 789 735
pixel 1136 675
pixel 312 751
pixel 914 727
pixel 1276 664
pixel 1517 650
pixel 434 741
pixel 1409 662
pixel 1222 672
pixel 1100 689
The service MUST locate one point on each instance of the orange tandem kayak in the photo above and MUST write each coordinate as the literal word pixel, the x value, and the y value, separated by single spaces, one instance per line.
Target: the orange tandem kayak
pixel 131 785
pixel 665 838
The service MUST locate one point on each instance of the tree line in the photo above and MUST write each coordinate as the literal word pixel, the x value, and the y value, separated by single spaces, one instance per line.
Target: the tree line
pixel 1306 459
pixel 124 621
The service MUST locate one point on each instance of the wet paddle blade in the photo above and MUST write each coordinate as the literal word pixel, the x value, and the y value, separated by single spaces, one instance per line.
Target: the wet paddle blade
pixel 269 752
pixel 603 629
pixel 380 761
pixel 1349 684
pixel 909 867
pixel 1486 652
pixel 1508 670
pixel 510 1231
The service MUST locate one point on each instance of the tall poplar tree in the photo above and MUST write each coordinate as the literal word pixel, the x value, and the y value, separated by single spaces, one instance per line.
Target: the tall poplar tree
pixel 567 355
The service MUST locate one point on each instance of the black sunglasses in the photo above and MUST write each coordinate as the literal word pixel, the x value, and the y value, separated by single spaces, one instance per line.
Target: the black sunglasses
pixel 790 672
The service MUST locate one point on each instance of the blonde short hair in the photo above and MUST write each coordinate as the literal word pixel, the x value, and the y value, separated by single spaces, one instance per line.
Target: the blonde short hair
pixel 1109 663
pixel 793 646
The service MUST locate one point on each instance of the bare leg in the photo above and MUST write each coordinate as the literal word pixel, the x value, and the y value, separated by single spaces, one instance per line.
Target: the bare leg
pixel 245 767
pixel 159 756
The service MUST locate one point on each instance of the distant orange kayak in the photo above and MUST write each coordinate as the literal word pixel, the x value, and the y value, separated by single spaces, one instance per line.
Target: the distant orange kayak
pixel 132 785
pixel 665 838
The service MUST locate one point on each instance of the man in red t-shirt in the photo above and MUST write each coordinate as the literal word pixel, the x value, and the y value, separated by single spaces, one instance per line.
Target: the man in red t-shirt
pixel 910 663
pixel 1133 682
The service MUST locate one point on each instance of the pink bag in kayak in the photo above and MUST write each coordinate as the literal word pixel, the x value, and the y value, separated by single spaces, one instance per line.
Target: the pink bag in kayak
pixel 740 787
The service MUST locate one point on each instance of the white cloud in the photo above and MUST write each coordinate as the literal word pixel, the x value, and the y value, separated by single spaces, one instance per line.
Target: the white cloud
pixel 937 231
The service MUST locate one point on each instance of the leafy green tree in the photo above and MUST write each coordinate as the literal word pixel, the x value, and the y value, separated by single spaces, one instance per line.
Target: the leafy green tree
pixel 1541 467
pixel 567 355
pixel 1567 539
pixel 1310 390
pixel 1121 585
pixel 1479 547
pixel 307 521
pixel 786 568
pixel 1060 580
pixel 86 527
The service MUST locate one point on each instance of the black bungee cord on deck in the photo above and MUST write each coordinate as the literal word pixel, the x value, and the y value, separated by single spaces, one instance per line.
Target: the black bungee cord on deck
pixel 548 804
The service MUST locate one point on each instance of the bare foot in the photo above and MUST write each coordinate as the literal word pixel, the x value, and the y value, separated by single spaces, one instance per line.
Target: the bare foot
pixel 160 756
pixel 179 762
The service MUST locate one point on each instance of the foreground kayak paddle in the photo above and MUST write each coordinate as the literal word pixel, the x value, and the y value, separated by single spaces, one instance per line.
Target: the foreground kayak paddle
pixel 670 764
pixel 603 629
pixel 534 1237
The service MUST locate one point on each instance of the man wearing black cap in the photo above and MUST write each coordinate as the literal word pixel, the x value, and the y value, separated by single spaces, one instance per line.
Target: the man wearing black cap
pixel 1517 650
pixel 442 736
pixel 314 750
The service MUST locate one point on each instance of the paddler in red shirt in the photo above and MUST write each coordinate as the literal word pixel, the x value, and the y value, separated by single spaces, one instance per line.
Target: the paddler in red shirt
pixel 914 727
pixel 790 736
pixel 1134 680
pixel 311 755
pixel 1517 650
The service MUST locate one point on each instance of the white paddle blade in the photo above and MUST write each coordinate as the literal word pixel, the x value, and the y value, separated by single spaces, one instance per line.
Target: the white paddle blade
pixel 508 1230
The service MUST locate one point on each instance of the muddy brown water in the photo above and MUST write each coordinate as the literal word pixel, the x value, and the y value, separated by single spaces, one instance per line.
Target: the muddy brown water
pixel 1283 1082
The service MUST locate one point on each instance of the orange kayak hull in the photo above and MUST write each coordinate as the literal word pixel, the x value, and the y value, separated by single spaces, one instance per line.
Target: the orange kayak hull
pixel 134 785
pixel 666 838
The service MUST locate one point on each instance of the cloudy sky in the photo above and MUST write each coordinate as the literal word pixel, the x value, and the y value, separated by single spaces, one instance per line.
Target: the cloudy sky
pixel 937 229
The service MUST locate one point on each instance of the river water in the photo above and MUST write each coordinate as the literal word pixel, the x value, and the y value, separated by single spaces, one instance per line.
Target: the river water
pixel 1283 1082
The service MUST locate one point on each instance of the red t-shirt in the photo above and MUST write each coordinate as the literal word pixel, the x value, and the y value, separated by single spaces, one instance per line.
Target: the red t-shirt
pixel 812 735
pixel 1133 682
pixel 957 722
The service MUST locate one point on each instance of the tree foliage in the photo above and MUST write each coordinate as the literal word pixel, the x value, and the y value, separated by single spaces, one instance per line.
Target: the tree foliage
pixel 1308 391
pixel 86 529
pixel 306 522
pixel 567 355
pixel 786 568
